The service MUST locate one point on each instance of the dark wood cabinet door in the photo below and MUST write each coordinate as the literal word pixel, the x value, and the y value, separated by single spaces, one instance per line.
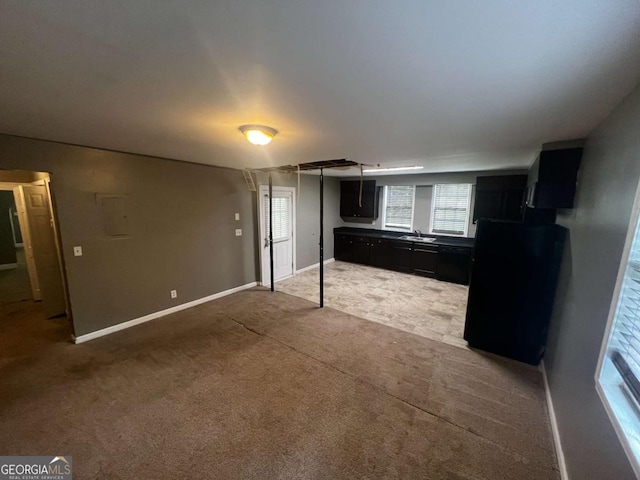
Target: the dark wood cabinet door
pixel 454 264
pixel 488 204
pixel 350 199
pixel 360 251
pixel 425 260
pixel 512 204
pixel 343 248
pixel 379 253
pixel 348 204
pixel 500 197
pixel 400 256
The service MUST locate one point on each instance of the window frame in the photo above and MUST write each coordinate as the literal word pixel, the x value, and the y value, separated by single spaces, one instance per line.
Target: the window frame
pixel 384 210
pixel 612 395
pixel 467 213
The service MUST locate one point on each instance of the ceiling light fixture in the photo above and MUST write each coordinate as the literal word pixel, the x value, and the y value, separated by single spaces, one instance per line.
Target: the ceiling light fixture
pixel 258 134
pixel 391 169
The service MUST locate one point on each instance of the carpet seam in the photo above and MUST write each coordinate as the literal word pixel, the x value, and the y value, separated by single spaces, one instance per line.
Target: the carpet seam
pixel 377 388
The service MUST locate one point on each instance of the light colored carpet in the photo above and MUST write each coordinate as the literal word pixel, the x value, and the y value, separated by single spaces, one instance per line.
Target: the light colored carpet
pixel 423 306
pixel 259 385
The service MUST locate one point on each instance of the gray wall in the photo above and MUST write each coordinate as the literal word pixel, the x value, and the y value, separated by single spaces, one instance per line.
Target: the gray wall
pixel 7 247
pixel 424 192
pixel 308 214
pixel 606 186
pixel 182 227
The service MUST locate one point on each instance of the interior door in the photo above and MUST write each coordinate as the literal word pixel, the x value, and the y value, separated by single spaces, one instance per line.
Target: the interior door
pixel 43 249
pixel 18 195
pixel 283 228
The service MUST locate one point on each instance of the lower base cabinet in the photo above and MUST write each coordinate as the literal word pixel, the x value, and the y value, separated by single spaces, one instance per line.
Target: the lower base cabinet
pixel 454 265
pixel 425 260
pixel 400 256
pixel 360 250
pixel 342 249
pixel 379 253
pixel 446 263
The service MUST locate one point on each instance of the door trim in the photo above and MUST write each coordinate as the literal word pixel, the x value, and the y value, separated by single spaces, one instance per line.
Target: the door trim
pixel 264 190
pixel 58 241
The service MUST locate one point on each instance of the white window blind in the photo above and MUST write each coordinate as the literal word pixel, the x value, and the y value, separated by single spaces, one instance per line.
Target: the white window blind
pixel 619 367
pixel 281 217
pixel 450 209
pixel 398 211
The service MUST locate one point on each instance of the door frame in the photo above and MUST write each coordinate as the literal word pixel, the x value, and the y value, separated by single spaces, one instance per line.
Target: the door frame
pixel 264 190
pixel 45 181
pixel 58 241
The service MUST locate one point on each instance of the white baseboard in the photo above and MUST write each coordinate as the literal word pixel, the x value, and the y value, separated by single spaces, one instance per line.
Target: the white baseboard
pixel 161 313
pixel 315 265
pixel 310 267
pixel 18 245
pixel 562 466
pixel 8 266
pixel 278 280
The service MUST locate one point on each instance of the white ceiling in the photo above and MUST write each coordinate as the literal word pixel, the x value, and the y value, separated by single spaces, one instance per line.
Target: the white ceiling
pixel 452 85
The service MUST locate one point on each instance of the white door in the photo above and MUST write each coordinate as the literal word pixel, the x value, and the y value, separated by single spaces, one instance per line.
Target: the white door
pixel 283 228
pixel 42 249
pixel 18 195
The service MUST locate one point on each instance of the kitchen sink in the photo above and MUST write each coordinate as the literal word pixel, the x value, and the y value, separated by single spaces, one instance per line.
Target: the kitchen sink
pixel 415 238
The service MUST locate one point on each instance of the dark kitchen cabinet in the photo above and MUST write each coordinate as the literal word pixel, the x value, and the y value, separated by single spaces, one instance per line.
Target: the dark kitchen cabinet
pixel 500 197
pixel 552 179
pixel 350 199
pixel 400 256
pixel 425 260
pixel 342 247
pixel 360 250
pixel 454 264
pixel 379 253
pixel 449 261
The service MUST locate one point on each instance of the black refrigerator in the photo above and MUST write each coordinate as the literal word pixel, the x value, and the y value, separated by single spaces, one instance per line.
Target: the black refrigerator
pixel 513 284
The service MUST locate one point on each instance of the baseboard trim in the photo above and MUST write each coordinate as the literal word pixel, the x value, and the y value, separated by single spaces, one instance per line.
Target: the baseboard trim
pixel 315 265
pixel 8 266
pixel 161 313
pixel 562 466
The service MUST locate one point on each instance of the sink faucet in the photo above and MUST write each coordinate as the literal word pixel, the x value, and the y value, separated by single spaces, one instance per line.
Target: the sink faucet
pixel 418 232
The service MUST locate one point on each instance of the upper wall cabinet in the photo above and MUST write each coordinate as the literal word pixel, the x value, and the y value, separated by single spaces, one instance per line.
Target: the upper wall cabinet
pixel 552 178
pixel 350 199
pixel 500 197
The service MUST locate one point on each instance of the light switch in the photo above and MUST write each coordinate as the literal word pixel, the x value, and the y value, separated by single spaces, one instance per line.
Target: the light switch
pixel 237 216
pixel 238 232
pixel 77 251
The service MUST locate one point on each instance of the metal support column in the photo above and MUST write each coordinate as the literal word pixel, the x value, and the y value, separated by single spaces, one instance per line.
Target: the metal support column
pixel 321 238
pixel 273 289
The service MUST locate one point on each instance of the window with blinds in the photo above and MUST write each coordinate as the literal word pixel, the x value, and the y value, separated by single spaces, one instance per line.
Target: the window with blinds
pixel 450 209
pixel 281 217
pixel 398 207
pixel 619 367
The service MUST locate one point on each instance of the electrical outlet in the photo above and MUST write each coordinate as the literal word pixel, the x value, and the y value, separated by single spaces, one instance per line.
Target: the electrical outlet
pixel 238 232
pixel 237 216
pixel 174 293
pixel 77 251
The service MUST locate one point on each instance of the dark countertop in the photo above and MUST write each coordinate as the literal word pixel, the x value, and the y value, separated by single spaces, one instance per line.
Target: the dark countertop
pixel 386 234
